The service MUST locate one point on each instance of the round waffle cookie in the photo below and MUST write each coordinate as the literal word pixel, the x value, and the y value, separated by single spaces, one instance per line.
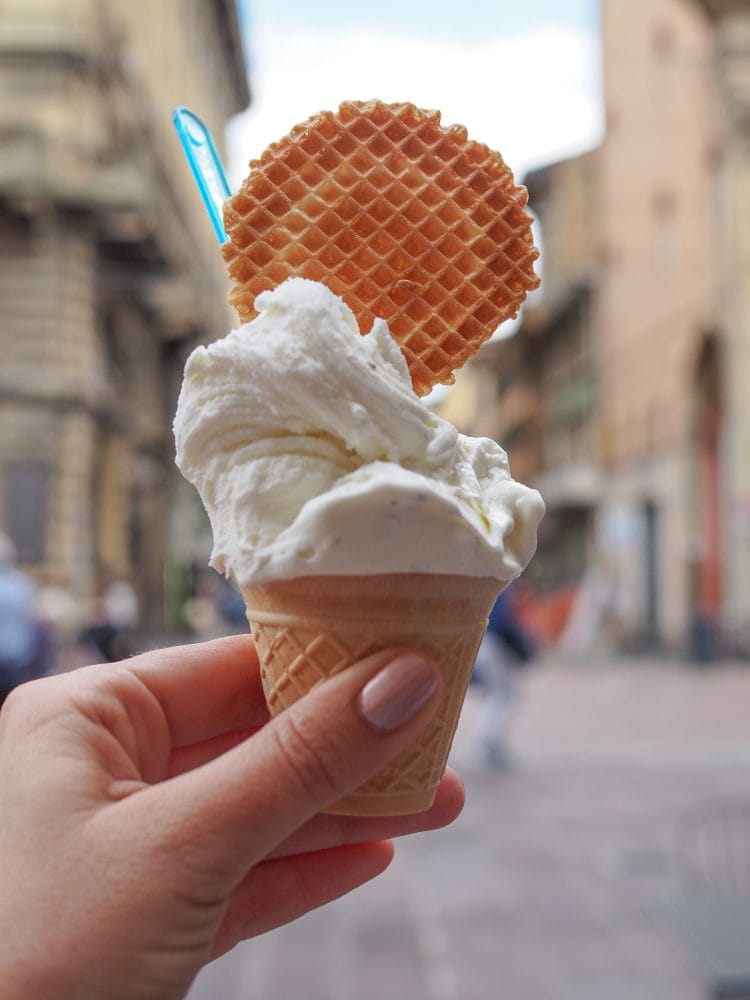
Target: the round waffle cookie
pixel 401 217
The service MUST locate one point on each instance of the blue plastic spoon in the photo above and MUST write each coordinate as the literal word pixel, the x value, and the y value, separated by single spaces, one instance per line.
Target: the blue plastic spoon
pixel 205 165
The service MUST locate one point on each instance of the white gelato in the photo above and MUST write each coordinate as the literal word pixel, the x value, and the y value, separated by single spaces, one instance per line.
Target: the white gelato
pixel 314 456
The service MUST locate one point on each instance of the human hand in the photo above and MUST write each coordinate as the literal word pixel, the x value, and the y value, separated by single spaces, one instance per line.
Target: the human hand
pixel 152 816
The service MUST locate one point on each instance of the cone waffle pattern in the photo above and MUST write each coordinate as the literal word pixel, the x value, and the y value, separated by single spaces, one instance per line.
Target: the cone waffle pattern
pixel 299 652
pixel 405 219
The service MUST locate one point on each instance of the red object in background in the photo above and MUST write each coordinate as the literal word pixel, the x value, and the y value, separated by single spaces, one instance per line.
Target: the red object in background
pixel 710 568
pixel 544 616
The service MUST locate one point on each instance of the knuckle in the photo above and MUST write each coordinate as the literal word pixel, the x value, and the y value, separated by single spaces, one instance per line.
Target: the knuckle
pixel 309 762
pixel 13 707
pixel 26 702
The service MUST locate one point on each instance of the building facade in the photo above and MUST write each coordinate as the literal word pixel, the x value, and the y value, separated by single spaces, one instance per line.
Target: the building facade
pixel 627 348
pixel 108 270
pixel 729 26
pixel 656 314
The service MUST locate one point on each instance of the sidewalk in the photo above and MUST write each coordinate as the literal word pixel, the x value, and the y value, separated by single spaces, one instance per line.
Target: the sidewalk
pixel 542 889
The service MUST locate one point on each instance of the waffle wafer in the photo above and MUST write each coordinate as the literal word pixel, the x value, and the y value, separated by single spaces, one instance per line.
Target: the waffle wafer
pixel 403 218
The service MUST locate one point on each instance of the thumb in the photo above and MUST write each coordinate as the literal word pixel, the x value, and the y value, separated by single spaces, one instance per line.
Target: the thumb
pixel 234 810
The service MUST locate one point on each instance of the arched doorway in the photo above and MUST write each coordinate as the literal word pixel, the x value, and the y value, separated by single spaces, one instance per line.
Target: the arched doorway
pixel 707 565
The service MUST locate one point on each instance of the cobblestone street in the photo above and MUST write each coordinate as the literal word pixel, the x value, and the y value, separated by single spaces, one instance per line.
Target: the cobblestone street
pixel 545 887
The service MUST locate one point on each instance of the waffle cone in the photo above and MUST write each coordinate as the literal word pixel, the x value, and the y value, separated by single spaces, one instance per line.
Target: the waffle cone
pixel 310 628
pixel 403 218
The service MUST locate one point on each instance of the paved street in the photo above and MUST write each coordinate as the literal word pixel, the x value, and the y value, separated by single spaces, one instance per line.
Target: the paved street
pixel 545 887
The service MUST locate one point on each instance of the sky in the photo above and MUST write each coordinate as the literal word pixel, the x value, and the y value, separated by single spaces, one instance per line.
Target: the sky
pixel 521 75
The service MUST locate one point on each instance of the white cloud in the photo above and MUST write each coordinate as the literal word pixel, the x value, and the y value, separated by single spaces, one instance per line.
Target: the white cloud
pixel 532 96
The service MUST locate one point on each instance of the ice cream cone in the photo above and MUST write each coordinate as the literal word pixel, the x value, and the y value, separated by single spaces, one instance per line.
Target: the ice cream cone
pixel 310 628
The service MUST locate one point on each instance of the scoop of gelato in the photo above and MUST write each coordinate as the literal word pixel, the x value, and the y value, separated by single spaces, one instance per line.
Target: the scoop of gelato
pixel 314 456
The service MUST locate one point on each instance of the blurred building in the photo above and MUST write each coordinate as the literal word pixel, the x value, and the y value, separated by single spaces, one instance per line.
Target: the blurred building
pixel 729 23
pixel 108 269
pixel 561 433
pixel 626 349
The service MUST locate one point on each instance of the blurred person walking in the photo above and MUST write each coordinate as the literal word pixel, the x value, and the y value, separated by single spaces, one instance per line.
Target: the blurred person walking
pixel 19 639
pixel 506 647
pixel 110 633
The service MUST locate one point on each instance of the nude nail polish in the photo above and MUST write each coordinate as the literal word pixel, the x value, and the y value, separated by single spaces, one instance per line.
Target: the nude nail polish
pixel 394 695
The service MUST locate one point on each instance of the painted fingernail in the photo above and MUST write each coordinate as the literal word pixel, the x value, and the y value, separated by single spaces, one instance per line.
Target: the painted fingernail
pixel 394 696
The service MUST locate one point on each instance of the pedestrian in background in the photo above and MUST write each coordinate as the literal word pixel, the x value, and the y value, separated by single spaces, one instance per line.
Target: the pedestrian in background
pixel 506 647
pixel 110 633
pixel 19 639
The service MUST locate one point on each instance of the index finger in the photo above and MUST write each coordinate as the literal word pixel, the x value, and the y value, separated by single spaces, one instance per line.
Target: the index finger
pixel 204 689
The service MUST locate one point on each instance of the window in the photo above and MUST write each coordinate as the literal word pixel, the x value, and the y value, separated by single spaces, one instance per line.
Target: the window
pixel 666 233
pixel 663 41
pixel 26 502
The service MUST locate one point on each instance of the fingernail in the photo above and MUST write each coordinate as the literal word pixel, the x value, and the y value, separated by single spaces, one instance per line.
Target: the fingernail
pixel 395 695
